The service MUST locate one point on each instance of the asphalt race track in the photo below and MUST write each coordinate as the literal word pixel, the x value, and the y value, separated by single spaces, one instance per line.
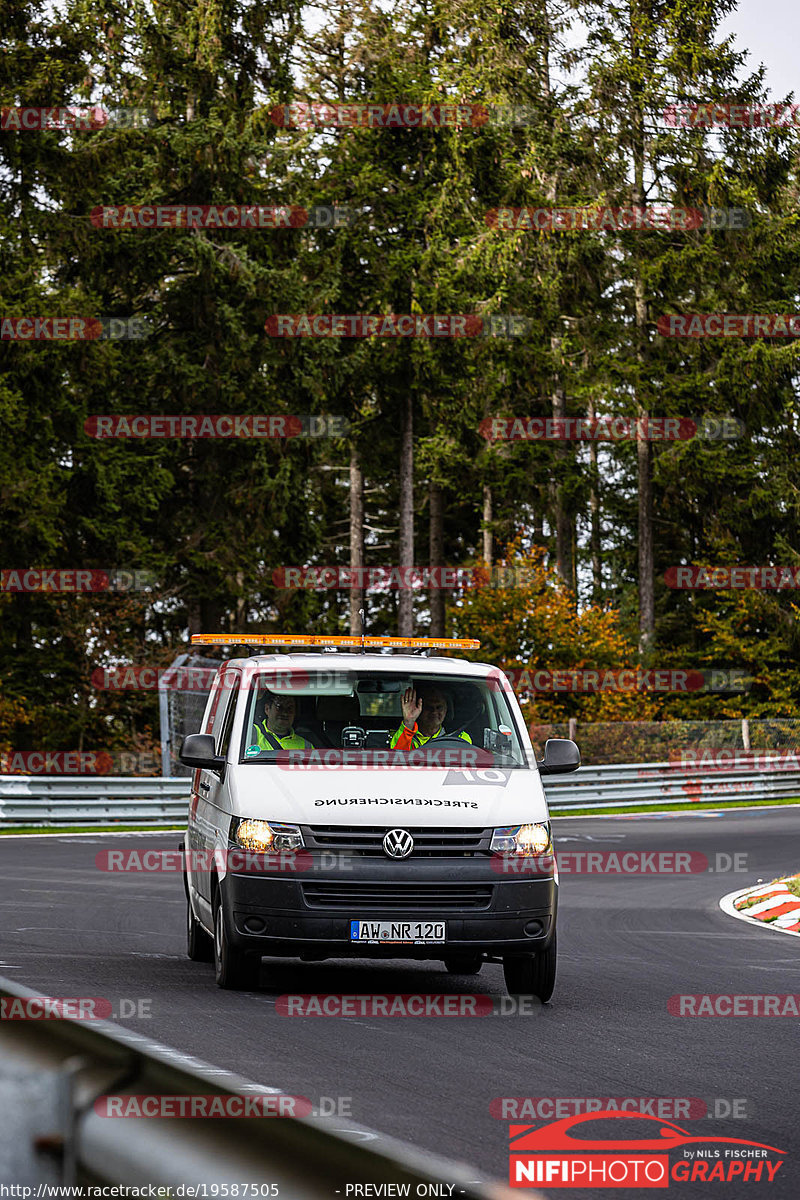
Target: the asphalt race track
pixel 626 944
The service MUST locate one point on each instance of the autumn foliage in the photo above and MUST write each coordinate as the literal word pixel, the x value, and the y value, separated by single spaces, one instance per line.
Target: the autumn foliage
pixel 537 625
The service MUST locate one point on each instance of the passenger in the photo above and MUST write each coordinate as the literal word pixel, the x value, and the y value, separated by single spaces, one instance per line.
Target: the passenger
pixel 429 707
pixel 275 731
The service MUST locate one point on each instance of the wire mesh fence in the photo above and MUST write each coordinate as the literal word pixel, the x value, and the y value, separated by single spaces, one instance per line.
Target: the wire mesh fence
pixel 183 692
pixel 664 741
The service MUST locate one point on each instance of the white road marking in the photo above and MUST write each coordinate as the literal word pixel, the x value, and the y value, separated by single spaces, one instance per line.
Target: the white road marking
pixel 362 1133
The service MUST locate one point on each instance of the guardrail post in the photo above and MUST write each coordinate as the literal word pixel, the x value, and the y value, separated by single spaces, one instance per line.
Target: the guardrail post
pixel 573 728
pixel 307 1158
pixel 745 733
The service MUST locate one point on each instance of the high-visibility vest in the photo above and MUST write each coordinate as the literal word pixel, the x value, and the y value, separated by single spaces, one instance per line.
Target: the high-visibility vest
pixel 418 739
pixel 267 740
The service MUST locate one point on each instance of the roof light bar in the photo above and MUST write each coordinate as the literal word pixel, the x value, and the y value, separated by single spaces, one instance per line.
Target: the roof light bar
pixel 318 639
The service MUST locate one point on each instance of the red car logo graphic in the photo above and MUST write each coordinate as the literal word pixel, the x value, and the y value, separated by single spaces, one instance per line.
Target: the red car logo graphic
pixel 557 1136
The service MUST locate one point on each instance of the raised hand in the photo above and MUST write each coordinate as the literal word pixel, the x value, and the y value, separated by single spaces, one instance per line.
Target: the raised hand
pixel 412 707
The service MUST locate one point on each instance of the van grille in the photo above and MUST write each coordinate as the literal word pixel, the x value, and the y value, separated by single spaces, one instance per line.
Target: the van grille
pixel 429 841
pixel 411 897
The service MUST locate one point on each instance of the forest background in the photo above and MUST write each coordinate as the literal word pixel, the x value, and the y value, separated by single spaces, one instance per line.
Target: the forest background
pixel 413 479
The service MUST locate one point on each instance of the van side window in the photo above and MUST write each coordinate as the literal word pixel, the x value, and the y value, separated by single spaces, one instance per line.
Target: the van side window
pixel 223 722
pixel 227 725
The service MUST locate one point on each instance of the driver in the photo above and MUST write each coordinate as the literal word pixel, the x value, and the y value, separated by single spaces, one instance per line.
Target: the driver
pixel 275 730
pixel 424 711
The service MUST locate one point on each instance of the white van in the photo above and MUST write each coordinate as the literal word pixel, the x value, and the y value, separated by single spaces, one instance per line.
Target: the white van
pixel 325 823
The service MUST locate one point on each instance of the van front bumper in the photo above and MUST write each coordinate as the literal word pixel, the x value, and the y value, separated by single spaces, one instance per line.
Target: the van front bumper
pixel 308 913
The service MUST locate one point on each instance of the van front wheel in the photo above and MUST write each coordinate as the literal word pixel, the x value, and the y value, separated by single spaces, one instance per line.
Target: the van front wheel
pixel 533 974
pixel 233 969
pixel 199 946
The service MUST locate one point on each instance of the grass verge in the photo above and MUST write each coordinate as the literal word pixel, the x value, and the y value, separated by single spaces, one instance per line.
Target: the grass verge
pixel 653 809
pixel 40 829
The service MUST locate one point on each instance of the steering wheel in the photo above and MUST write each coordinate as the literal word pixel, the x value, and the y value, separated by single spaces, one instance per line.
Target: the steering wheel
pixel 448 737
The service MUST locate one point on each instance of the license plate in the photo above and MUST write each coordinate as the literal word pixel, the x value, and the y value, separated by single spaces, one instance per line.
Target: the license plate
pixel 401 933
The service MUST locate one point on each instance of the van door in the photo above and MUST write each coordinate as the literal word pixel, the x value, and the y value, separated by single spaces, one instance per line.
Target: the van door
pixel 211 812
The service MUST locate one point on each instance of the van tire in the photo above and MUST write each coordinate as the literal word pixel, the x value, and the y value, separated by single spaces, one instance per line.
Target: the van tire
pixel 533 974
pixel 199 945
pixel 234 970
pixel 465 964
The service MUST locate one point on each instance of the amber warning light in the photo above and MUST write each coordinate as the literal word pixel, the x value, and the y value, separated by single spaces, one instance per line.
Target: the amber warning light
pixel 318 639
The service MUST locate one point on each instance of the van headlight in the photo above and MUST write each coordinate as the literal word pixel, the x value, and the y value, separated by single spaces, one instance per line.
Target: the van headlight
pixel 265 836
pixel 524 840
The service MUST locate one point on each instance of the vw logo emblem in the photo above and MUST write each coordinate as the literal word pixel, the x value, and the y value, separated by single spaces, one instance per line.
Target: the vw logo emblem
pixel 398 843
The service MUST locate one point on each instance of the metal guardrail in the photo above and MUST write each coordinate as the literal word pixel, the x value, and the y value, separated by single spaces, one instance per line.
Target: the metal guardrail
pixel 66 800
pixel 627 785
pixel 72 800
pixel 52 1071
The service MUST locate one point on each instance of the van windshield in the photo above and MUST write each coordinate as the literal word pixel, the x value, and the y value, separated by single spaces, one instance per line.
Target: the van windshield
pixel 380 719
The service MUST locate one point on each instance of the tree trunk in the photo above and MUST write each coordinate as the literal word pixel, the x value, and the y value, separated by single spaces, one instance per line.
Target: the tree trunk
pixel 643 452
pixel 595 540
pixel 356 537
pixel 563 525
pixel 436 556
pixel 487 525
pixel 647 609
pixel 405 606
pixel 573 534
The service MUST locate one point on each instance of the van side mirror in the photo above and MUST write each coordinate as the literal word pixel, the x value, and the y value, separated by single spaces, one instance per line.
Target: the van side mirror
pixel 198 750
pixel 561 755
